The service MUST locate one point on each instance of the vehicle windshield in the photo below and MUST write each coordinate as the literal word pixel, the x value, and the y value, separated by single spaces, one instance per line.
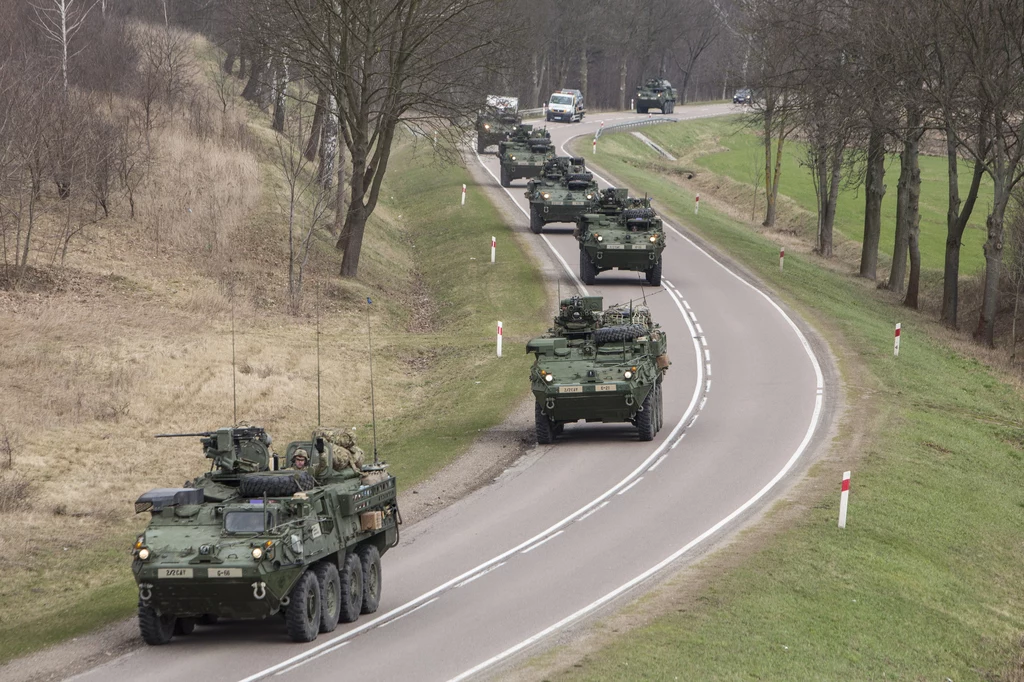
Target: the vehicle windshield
pixel 561 99
pixel 245 522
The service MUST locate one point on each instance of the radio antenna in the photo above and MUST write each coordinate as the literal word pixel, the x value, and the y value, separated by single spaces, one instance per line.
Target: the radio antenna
pixel 234 374
pixel 373 408
pixel 318 353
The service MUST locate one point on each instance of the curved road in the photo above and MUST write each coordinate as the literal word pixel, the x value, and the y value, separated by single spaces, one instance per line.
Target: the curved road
pixel 576 524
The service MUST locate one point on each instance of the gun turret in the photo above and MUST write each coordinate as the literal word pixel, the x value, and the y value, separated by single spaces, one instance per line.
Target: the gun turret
pixel 241 448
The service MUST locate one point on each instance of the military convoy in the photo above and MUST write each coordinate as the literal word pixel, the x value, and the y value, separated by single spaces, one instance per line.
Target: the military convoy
pixel 564 191
pixel 656 93
pixel 623 233
pixel 524 153
pixel 262 534
pixel 499 117
pixel 599 366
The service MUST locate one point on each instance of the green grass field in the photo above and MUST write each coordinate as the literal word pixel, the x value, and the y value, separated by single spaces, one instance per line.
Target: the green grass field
pixel 927 581
pixel 739 155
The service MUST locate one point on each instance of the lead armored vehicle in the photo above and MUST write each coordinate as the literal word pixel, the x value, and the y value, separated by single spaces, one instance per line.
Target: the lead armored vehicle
pixel 564 191
pixel 656 93
pixel 623 233
pixel 524 153
pixel 260 534
pixel 499 117
pixel 599 366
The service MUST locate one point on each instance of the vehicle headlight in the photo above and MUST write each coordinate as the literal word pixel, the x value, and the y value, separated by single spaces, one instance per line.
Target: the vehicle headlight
pixel 257 553
pixel 627 374
pixel 513 157
pixel 549 378
pixel 590 196
pixel 487 126
pixel 144 553
pixel 599 238
pixel 654 238
pixel 546 195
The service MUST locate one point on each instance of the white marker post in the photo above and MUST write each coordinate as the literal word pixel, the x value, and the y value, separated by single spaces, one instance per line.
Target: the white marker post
pixel 463 195
pixel 844 499
pixel 499 338
pixel 782 257
pixel 696 205
pixel 896 344
pixel 631 103
pixel 595 145
pixel 494 244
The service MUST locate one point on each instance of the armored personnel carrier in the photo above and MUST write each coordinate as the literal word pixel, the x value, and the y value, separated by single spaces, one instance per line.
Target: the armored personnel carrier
pixel 656 93
pixel 499 117
pixel 262 534
pixel 599 366
pixel 623 233
pixel 564 191
pixel 524 153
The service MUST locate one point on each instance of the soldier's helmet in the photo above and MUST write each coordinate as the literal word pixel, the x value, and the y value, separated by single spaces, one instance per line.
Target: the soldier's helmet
pixel 300 458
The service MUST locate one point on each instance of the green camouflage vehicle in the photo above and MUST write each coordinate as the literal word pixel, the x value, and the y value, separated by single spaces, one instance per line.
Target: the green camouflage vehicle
pixel 656 93
pixel 599 366
pixel 623 233
pixel 524 153
pixel 247 540
pixel 499 117
pixel 563 192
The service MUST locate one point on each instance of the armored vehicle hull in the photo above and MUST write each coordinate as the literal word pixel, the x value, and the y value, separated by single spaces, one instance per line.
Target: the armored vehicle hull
pixel 496 121
pixel 247 541
pixel 562 194
pixel 655 94
pixel 610 370
pixel 632 240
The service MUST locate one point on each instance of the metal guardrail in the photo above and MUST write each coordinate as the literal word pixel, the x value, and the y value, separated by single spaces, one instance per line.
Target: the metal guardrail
pixel 635 124
pixel 532 113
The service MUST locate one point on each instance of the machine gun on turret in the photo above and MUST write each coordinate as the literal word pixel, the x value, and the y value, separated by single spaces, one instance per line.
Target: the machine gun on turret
pixel 234 449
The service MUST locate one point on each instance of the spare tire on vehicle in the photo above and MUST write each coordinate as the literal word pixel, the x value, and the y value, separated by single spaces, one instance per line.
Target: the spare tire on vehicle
pixel 577 185
pixel 580 177
pixel 275 483
pixel 638 213
pixel 622 332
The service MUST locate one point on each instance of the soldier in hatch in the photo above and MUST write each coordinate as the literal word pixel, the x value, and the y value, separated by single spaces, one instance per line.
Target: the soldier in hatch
pixel 300 459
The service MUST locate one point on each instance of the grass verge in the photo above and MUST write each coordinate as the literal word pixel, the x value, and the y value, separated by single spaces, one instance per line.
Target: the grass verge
pixel 927 581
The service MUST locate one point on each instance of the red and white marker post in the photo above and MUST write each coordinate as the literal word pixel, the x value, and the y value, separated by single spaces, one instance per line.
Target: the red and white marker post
pixel 595 145
pixel 463 195
pixel 896 343
pixel 844 499
pixel 782 257
pixel 696 205
pixel 494 244
pixel 499 338
pixel 631 103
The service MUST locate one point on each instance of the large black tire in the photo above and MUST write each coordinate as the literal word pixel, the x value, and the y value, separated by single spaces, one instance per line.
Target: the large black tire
pixel 587 177
pixel 505 182
pixel 369 558
pixel 302 619
pixel 654 274
pixel 559 427
pixel 646 419
pixel 330 594
pixel 184 626
pixel 621 332
pixel 588 273
pixel 641 110
pixel 638 213
pixel 351 588
pixel 547 117
pixel 545 427
pixel 577 161
pixel 536 222
pixel 275 483
pixel 155 630
pixel 208 619
pixel 661 406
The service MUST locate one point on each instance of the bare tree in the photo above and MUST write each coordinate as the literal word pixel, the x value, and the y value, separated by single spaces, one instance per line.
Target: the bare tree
pixel 60 21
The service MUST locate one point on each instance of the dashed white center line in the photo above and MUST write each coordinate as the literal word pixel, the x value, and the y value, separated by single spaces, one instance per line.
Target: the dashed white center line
pixel 398 618
pixel 481 574
pixel 600 506
pixel 303 662
pixel 550 537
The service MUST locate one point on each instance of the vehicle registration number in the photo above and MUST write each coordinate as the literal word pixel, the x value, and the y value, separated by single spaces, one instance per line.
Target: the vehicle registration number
pixel 224 573
pixel 174 573
pixel 577 203
pixel 570 389
pixel 605 387
pixel 616 246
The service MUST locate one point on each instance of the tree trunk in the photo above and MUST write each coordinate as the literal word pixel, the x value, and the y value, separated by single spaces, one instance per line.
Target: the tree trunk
pixel 254 86
pixel 316 127
pixel 539 69
pixel 913 216
pixel 956 221
pixel 328 145
pixel 994 244
pixel 280 95
pixel 229 61
pixel 583 71
pixel 829 221
pixel 898 271
pixel 622 84
pixel 874 190
pixel 769 215
pixel 339 210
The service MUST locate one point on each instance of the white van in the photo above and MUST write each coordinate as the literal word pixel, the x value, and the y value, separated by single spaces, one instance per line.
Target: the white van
pixel 566 105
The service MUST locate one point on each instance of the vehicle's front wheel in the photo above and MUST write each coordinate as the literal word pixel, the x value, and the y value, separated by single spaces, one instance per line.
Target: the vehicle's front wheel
pixel 505 182
pixel 330 595
pixel 545 427
pixel 351 588
pixel 155 629
pixel 587 270
pixel 302 619
pixel 645 419
pixel 536 222
pixel 369 558
pixel 654 274
pixel 184 626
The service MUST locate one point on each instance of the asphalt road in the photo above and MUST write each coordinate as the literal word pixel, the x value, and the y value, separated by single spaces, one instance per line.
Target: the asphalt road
pixel 581 524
